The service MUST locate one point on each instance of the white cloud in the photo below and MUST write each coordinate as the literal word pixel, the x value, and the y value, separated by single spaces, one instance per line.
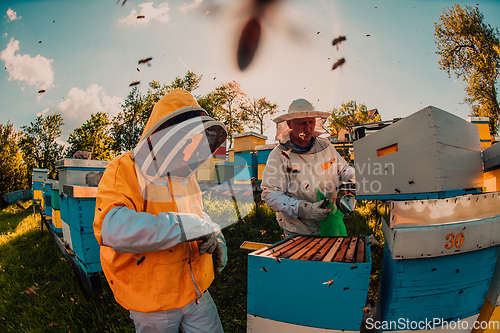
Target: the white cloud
pixel 190 6
pixel 12 15
pixel 80 104
pixel 36 71
pixel 150 13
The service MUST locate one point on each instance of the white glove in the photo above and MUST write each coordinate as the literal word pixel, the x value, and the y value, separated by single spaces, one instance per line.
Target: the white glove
pixel 193 227
pixel 313 210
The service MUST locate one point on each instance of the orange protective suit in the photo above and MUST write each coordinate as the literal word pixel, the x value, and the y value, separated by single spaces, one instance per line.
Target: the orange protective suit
pixel 170 273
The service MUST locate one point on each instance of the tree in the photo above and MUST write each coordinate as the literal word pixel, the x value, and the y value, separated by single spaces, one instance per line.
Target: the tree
pixel 94 136
pixel 256 111
pixel 226 97
pixel 468 47
pixel 128 125
pixel 38 143
pixel 349 114
pixel 13 171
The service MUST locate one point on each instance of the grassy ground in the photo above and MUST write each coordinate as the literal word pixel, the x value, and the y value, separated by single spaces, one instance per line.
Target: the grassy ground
pixel 39 292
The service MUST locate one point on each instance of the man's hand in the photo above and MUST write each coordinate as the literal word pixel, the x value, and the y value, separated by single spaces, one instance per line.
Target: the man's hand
pixel 313 211
pixel 215 244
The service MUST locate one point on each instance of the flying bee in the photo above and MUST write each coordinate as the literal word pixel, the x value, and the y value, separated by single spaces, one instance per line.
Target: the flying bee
pixel 338 64
pixel 135 83
pixel 141 259
pixel 338 40
pixel 250 34
pixel 41 91
pixel 140 16
pixel 145 61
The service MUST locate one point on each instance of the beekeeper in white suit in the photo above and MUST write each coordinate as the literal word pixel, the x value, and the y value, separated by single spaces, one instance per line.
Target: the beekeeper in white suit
pixel 301 164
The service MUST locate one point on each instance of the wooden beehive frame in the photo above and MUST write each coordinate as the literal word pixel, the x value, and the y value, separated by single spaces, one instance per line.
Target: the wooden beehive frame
pixel 314 248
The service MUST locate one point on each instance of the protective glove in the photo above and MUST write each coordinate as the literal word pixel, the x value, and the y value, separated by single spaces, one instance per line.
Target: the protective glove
pixel 220 253
pixel 194 228
pixel 313 210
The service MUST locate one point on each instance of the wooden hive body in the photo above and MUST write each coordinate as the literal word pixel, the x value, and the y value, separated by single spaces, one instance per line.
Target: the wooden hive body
pixel 81 209
pixel 429 154
pixel 311 282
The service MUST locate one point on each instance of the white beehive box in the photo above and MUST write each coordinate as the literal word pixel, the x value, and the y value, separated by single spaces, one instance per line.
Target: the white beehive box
pixel 429 154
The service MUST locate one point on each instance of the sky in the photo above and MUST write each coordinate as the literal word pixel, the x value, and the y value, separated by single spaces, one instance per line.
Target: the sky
pixel 84 54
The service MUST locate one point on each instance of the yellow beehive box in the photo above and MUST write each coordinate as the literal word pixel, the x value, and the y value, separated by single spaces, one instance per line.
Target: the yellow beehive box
pixel 248 141
pixel 37 195
pixel 260 171
pixel 483 125
pixel 56 218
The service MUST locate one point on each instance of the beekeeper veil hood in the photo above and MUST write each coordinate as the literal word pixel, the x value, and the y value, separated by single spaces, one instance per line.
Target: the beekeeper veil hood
pixel 178 138
pixel 300 108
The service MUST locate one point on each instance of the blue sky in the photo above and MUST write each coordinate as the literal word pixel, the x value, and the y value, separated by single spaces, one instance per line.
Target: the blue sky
pixel 85 54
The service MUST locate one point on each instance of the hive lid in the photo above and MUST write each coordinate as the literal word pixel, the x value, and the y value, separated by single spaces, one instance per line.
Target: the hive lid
pixel 239 135
pixel 79 163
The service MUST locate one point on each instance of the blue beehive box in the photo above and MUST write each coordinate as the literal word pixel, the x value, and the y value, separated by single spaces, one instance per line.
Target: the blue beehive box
pixel 47 197
pixel 308 282
pixel 245 159
pixel 81 207
pixel 245 174
pixel 263 152
pixel 439 270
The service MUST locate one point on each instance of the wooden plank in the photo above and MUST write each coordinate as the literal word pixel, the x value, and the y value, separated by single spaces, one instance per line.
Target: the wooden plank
pixel 340 255
pixel 294 248
pixel 306 249
pixel 360 255
pixel 279 246
pixel 351 252
pixel 324 250
pixel 311 254
pixel 334 249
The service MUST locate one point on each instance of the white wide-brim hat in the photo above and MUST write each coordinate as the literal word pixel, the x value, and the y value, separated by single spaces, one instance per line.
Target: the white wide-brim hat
pixel 300 108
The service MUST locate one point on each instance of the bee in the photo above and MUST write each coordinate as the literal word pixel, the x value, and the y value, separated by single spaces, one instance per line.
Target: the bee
pixel 141 259
pixel 123 3
pixel 250 34
pixel 140 16
pixel 329 282
pixel 265 269
pixel 338 64
pixel 135 83
pixel 41 91
pixel 398 191
pixel 411 182
pixel 278 260
pixel 145 61
pixel 286 154
pixel 338 40
pixel 291 170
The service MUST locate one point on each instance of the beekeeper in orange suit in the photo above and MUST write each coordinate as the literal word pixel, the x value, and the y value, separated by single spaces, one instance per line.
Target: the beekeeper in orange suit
pixel 156 241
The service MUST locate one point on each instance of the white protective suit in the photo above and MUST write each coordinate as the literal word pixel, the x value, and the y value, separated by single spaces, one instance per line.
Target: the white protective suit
pixel 292 175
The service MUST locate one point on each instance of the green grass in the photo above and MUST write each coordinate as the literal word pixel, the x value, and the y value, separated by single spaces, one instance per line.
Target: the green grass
pixel 30 259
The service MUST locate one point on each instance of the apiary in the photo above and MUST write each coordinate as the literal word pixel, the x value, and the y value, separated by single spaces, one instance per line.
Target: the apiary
pixel 305 283
pixel 430 154
pixel 80 219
